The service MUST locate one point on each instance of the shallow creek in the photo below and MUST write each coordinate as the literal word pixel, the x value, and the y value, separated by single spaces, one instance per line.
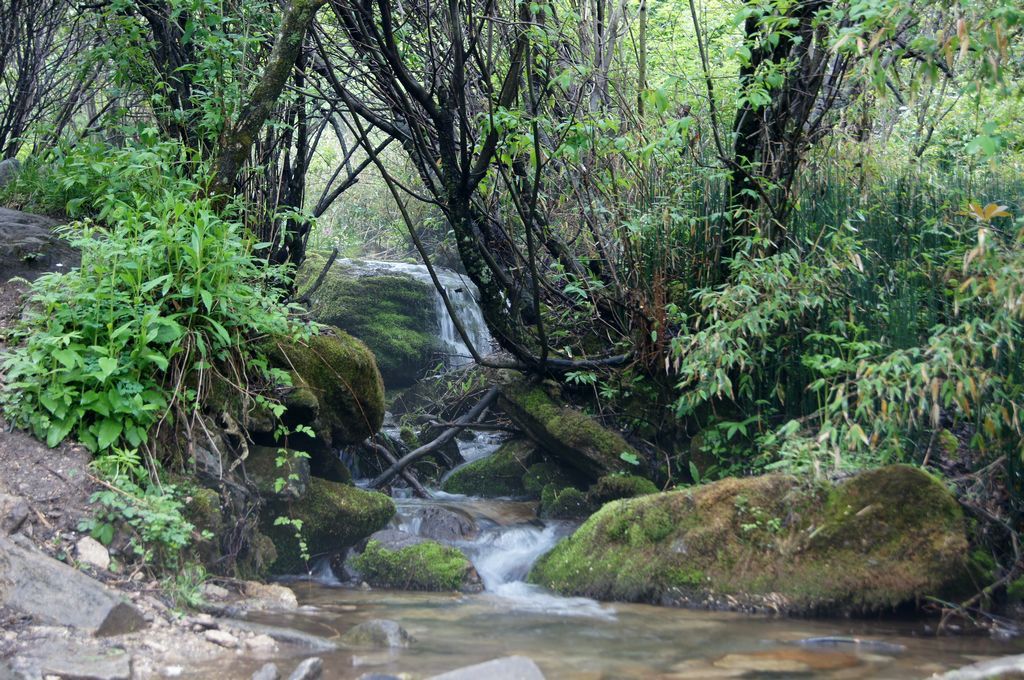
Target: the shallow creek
pixel 578 638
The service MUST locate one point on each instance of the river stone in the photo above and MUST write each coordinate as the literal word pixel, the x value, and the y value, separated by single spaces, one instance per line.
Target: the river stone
pixel 267 672
pixel 288 636
pixel 396 559
pixel 444 524
pixel 884 538
pixel 1003 667
pixel 78 659
pixel 377 633
pixel 572 437
pixel 42 587
pixel 310 669
pixel 505 668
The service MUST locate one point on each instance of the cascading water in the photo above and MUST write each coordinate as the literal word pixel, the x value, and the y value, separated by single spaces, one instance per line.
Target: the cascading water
pixel 461 293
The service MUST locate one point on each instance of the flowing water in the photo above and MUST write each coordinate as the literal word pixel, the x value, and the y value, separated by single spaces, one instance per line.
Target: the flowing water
pixel 461 292
pixel 578 638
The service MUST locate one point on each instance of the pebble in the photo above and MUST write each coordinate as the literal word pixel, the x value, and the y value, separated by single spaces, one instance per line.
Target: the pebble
pixel 90 551
pixel 267 672
pixel 261 644
pixel 222 638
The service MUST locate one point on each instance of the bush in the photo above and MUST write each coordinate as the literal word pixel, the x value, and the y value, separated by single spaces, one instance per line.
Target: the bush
pixel 168 289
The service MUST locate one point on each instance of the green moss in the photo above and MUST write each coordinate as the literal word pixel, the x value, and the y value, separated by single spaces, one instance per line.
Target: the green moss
pixel 1015 591
pixel 500 474
pixel 884 538
pixel 337 387
pixel 333 516
pixel 408 437
pixel 540 475
pixel 424 566
pixel 567 434
pixel 393 314
pixel 568 503
pixel 614 487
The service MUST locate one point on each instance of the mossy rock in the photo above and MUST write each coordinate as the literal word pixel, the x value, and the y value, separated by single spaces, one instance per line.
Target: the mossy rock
pixel 203 510
pixel 415 564
pixel 262 467
pixel 613 487
pixel 334 516
pixel 499 474
pixel 392 313
pixel 540 475
pixel 573 437
pixel 563 503
pixel 337 389
pixel 883 539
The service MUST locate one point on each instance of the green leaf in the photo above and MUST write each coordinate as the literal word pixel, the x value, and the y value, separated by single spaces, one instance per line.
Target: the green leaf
pixel 107 367
pixel 108 432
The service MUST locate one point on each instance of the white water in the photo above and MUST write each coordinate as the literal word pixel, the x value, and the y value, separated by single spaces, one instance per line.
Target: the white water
pixel 463 296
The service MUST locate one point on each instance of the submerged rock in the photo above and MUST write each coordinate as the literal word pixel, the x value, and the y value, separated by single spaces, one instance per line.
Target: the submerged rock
pixel 377 633
pixel 395 559
pixel 505 668
pixel 573 437
pixel 499 474
pixel 309 669
pixel 884 538
pixel 40 586
pixel 334 516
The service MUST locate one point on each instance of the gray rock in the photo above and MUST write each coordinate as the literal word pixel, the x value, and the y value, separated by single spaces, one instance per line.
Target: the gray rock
pixel 42 587
pixel 221 637
pixel 1005 666
pixel 284 635
pixel 267 672
pixel 14 510
pixel 81 660
pixel 377 633
pixel 310 669
pixel 9 167
pixel 29 248
pixel 445 525
pixel 505 668
pixel 91 551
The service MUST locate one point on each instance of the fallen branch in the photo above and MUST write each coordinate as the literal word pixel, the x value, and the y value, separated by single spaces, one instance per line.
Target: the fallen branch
pixel 443 439
pixel 407 475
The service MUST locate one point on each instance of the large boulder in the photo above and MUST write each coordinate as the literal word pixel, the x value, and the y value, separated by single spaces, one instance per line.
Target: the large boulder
pixel 334 516
pixel 336 389
pixel 499 474
pixel 882 539
pixel 40 586
pixel 395 559
pixel 393 313
pixel 571 436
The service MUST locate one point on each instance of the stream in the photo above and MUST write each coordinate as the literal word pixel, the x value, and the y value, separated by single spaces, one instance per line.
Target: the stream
pixel 584 639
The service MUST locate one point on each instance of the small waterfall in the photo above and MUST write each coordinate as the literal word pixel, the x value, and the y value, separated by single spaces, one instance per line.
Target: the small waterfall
pixel 463 296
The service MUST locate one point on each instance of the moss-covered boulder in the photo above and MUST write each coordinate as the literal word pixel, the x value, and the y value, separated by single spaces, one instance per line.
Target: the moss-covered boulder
pixel 394 559
pixel 336 389
pixel 499 474
pixel 613 487
pixel 563 503
pixel 334 516
pixel 571 436
pixel 884 538
pixel 392 313
pixel 545 473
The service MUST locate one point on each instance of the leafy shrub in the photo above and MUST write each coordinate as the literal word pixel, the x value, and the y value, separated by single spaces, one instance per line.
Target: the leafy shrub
pixel 167 290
